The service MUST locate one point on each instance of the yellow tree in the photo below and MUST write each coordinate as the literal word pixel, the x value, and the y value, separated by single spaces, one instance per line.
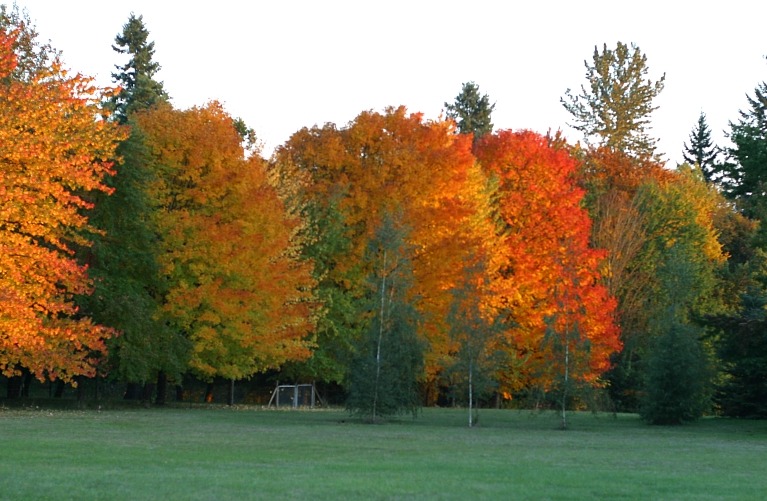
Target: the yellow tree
pixel 235 285
pixel 53 151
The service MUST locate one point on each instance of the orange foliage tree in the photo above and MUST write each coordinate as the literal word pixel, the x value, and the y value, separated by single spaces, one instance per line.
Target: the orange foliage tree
pixel 53 152
pixel 561 327
pixel 396 162
pixel 235 287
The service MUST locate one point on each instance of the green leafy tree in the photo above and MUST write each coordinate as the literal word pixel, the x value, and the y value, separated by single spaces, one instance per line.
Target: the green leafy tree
pixel 471 111
pixel 139 88
pixel 615 106
pixel 339 326
pixel 702 151
pixel 383 376
pixel 677 374
pixel 475 329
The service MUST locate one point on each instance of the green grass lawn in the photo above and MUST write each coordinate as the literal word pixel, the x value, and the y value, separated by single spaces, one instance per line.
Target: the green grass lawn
pixel 248 453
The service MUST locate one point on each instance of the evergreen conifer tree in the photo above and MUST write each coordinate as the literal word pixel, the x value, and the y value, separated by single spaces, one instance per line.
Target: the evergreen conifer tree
pixel 136 78
pixel 677 385
pixel 471 111
pixel 702 151
pixel 128 286
pixel 745 173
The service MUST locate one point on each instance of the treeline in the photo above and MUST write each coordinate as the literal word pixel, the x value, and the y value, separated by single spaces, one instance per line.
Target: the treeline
pixel 406 260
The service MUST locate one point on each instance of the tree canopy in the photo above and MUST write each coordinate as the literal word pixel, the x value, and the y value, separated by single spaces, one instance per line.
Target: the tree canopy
pixel 614 108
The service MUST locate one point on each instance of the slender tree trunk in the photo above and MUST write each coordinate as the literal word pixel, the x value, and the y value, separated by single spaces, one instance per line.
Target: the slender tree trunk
pixel 59 391
pixel 380 337
pixel 471 394
pixel 209 393
pixel 80 390
pixel 231 393
pixel 146 394
pixel 132 391
pixel 566 382
pixel 26 382
pixel 14 387
pixel 162 388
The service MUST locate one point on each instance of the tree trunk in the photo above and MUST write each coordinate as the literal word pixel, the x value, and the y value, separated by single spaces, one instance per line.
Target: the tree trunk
pixel 230 401
pixel 80 380
pixel 132 391
pixel 209 393
pixel 162 388
pixel 59 391
pixel 14 387
pixel 26 382
pixel 146 393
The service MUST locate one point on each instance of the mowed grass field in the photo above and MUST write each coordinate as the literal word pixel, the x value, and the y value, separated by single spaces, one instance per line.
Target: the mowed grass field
pixel 250 453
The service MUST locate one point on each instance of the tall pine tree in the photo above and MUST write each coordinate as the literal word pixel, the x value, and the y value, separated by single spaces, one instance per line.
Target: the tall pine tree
pixel 471 111
pixel 129 288
pixel 136 78
pixel 702 151
pixel 746 170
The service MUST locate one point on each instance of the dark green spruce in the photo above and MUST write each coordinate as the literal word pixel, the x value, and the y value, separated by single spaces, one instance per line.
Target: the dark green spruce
pixel 702 151
pixel 472 111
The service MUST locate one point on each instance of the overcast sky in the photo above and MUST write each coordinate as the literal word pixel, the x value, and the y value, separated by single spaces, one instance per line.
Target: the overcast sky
pixel 283 65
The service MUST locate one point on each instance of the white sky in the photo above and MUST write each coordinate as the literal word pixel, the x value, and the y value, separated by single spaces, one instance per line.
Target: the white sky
pixel 283 65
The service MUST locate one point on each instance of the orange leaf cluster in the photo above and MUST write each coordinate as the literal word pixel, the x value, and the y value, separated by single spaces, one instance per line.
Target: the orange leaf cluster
pixel 397 163
pixel 53 151
pixel 547 275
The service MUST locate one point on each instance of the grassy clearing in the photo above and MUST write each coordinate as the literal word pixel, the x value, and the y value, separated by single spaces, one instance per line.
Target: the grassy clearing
pixel 248 453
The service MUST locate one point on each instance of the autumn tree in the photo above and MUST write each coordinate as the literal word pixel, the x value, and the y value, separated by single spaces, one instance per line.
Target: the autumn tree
pixel 614 108
pixel 390 162
pixel 677 233
pixel 235 288
pixel 471 111
pixel 702 151
pixel 54 150
pixel 548 276
pixel 138 87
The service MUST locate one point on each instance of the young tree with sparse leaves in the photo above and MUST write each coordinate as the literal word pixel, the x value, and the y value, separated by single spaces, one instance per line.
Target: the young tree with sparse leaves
pixel 384 375
pixel 615 106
